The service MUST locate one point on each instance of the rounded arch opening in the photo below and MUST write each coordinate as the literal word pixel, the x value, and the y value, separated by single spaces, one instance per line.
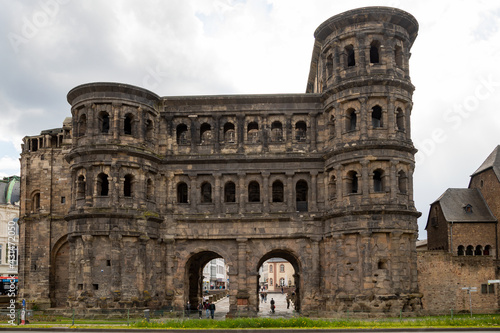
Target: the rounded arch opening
pixel 279 277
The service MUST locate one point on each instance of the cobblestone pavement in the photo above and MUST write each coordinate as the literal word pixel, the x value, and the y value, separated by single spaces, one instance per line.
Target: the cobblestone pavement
pixel 222 307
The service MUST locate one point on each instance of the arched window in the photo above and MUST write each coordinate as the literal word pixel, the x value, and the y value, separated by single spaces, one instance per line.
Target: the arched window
pixel 301 189
pixel 271 281
pixel 282 282
pixel 352 182
pixel 378 185
pixel 229 133
pixel 81 187
pixel 276 131
pixel 230 192
pixel 300 131
pixel 374 52
pixel 351 120
pixel 150 190
pixel 104 122
pixel 350 58
pixel 271 270
pixel 127 124
pixel 206 192
pixel 487 250
pixel 205 133
pixel 149 130
pixel 253 192
pixel 182 193
pixel 398 56
pixel 35 203
pixel 469 251
pixel 400 119
pixel 82 125
pixel 282 268
pixel 402 182
pixel 127 186
pixel 182 134
pixel 102 185
pixel 461 250
pixel 278 194
pixel 329 65
pixel 332 188
pixel 376 116
pixel 253 132
pixel 478 251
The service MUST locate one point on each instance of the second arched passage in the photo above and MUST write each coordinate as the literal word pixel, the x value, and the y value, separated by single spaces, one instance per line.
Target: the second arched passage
pixel 291 258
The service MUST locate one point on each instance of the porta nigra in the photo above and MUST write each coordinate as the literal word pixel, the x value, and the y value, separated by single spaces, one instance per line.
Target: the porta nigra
pixel 124 205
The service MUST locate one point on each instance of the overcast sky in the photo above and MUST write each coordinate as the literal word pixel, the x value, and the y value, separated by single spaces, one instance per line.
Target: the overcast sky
pixel 189 47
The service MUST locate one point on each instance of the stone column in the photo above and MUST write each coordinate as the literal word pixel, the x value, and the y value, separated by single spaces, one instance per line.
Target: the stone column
pixel 394 181
pixel 365 279
pixel 265 191
pixel 243 292
pixel 316 267
pixel 116 260
pixel 193 190
pixel 115 113
pixel 409 183
pixel 407 113
pixel 314 191
pixel 87 262
pixel 265 134
pixel 241 190
pixel 217 133
pixel 289 134
pixel 194 133
pixel 362 50
pixel 312 117
pixel 363 118
pixel 365 179
pixel 289 191
pixel 240 128
pixel 72 267
pixel 395 256
pixel 338 172
pixel 217 192
pixel 169 271
pixel 391 117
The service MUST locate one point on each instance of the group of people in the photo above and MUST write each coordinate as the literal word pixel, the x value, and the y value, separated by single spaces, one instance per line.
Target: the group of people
pixel 208 307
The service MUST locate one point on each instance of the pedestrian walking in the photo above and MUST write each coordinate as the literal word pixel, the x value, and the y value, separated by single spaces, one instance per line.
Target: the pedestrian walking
pixel 200 309
pixel 287 301
pixel 207 309
pixel 272 305
pixel 212 310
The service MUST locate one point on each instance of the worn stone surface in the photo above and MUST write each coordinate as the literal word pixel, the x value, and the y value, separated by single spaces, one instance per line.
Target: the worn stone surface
pixel 155 187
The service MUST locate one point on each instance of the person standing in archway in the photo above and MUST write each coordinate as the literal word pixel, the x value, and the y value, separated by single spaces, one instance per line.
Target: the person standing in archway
pixel 272 305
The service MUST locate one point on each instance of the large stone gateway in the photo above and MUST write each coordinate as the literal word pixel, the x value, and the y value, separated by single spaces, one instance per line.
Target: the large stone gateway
pixel 124 205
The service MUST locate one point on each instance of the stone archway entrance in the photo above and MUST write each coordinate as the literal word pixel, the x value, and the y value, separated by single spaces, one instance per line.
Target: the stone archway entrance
pixel 194 271
pixel 296 289
pixel 60 277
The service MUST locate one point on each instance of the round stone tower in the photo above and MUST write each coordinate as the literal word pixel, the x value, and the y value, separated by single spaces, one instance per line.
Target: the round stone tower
pixel 360 66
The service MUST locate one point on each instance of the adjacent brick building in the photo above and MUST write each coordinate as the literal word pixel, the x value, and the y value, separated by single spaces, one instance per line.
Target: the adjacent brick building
pixel 462 232
pixel 124 205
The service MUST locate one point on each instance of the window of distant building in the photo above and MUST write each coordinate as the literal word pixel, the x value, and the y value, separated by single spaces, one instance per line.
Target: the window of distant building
pixel 468 209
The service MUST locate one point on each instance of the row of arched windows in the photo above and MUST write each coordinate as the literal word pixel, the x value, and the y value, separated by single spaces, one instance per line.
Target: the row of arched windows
pixel 349 56
pixel 253 133
pixel 129 125
pixel 253 191
pixel 379 184
pixel 103 188
pixel 474 251
pixel 376 119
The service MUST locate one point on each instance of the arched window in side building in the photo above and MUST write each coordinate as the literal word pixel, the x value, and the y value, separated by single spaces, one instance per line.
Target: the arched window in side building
pixel 206 192
pixel 300 131
pixel 102 185
pixel 329 65
pixel 352 182
pixel 375 52
pixel 282 268
pixel 182 134
pixel 35 202
pixel 254 192
pixel 82 125
pixel 81 187
pixel 229 133
pixel 350 57
pixel 230 192
pixel 104 122
pixel 398 56
pixel 377 116
pixel 278 190
pixel 276 131
pixel 351 120
pixel 182 193
pixel 487 250
pixel 271 270
pixel 402 182
pixel 127 124
pixel 332 188
pixel 478 251
pixel 205 133
pixel 127 185
pixel 469 251
pixel 400 120
pixel 150 189
pixel 301 190
pixel 461 250
pixel 149 130
pixel 253 132
pixel 378 185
